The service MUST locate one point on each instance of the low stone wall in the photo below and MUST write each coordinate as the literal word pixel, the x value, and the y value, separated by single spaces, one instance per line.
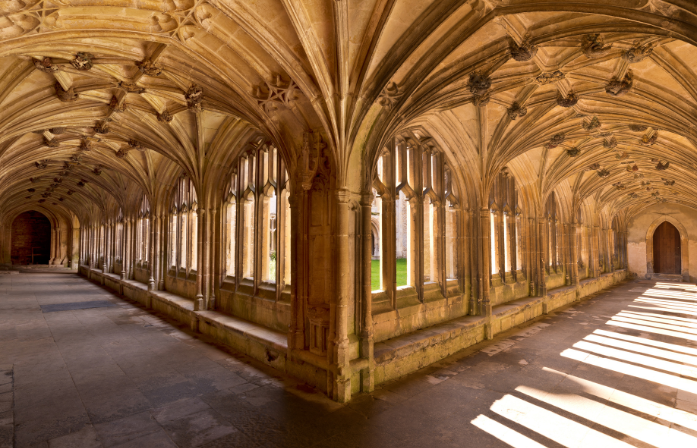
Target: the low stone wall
pixel 394 357
pixel 263 308
pixel 505 292
pixel 405 354
pixel 417 315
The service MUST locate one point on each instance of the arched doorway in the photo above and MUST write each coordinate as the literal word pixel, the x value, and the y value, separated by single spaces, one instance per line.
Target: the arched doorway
pixel 31 239
pixel 666 249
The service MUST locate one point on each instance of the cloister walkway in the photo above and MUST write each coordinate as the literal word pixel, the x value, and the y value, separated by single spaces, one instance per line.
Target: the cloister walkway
pixel 80 366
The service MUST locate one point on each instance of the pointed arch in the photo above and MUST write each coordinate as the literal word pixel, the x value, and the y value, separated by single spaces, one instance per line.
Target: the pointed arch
pixel 684 246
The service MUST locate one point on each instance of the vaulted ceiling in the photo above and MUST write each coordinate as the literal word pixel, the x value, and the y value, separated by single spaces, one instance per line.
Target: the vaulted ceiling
pixel 101 101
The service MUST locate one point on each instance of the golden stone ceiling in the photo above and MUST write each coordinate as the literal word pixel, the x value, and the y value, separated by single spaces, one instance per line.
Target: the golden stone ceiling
pixel 101 101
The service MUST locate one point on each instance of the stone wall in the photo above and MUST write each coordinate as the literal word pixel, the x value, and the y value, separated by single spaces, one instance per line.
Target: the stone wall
pixel 31 231
pixel 639 225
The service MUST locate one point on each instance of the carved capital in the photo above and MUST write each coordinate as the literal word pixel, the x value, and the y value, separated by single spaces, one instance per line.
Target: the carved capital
pixel 390 95
pixel 82 61
pixel 194 98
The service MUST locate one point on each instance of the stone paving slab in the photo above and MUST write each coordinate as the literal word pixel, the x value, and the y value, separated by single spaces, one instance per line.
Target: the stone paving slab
pixel 6 406
pixel 71 306
pixel 120 376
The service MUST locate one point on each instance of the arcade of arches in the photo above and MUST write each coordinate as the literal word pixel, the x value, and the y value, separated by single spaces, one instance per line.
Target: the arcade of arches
pixel 248 168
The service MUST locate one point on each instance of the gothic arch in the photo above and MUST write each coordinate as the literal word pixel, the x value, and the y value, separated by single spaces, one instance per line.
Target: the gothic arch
pixel 684 246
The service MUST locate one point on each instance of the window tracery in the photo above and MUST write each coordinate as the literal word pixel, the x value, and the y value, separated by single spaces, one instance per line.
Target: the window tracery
pixel 184 226
pixel 504 227
pixel 143 232
pixel 415 202
pixel 554 237
pixel 257 218
pixel 118 241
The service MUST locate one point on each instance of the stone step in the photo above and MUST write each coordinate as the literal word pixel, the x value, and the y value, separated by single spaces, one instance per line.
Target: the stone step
pixel 676 278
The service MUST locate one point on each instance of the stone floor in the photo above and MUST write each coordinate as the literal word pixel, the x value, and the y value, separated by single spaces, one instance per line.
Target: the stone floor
pixel 80 367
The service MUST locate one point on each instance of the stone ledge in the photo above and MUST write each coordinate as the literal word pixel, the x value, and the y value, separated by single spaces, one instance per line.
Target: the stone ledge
pixel 274 339
pixel 220 326
pixel 256 341
pixel 405 345
pixel 410 352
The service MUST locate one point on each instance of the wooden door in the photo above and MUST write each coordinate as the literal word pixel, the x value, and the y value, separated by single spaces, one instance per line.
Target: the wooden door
pixel 666 249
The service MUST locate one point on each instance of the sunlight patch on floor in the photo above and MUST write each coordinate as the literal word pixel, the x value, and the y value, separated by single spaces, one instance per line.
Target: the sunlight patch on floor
pixel 504 433
pixel 626 337
pixel 631 346
pixel 661 311
pixel 552 425
pixel 620 421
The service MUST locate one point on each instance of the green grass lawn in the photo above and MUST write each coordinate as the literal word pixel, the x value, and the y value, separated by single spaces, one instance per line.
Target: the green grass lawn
pixel 375 273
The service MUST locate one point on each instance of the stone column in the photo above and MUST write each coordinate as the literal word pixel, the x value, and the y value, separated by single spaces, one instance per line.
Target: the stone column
pixel 52 255
pixel 165 241
pixel 466 249
pixel 90 249
pixel 296 338
pixel 105 246
pixel 531 256
pixel 366 341
pixel 485 269
pixel 344 261
pixel 595 251
pixel 213 243
pixel 543 244
pixel 608 250
pixel 566 252
pixel 124 244
pixel 133 242
pixel 573 240
pixel 151 250
pixel 199 303
pixel 108 243
pixel 205 265
pixel 87 250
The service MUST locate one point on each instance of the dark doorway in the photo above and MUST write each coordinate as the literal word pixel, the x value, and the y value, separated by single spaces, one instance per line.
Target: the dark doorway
pixel 31 239
pixel 666 249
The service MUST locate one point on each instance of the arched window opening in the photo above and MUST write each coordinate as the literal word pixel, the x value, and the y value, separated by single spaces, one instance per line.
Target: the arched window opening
pixel 518 239
pixel 375 212
pixel 581 245
pixel 269 205
pixel 431 183
pixel 100 245
pixel 257 219
pixel 507 252
pixel 450 225
pixel 193 219
pixel 494 245
pixel 173 242
pixel 184 226
pixel 417 227
pixel 615 244
pixel 553 234
pixel 284 236
pixel 504 241
pixel 143 232
pixel 231 225
pixel 118 241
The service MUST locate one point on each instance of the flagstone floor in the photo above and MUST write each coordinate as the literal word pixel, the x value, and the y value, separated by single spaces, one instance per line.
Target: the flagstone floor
pixel 81 367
